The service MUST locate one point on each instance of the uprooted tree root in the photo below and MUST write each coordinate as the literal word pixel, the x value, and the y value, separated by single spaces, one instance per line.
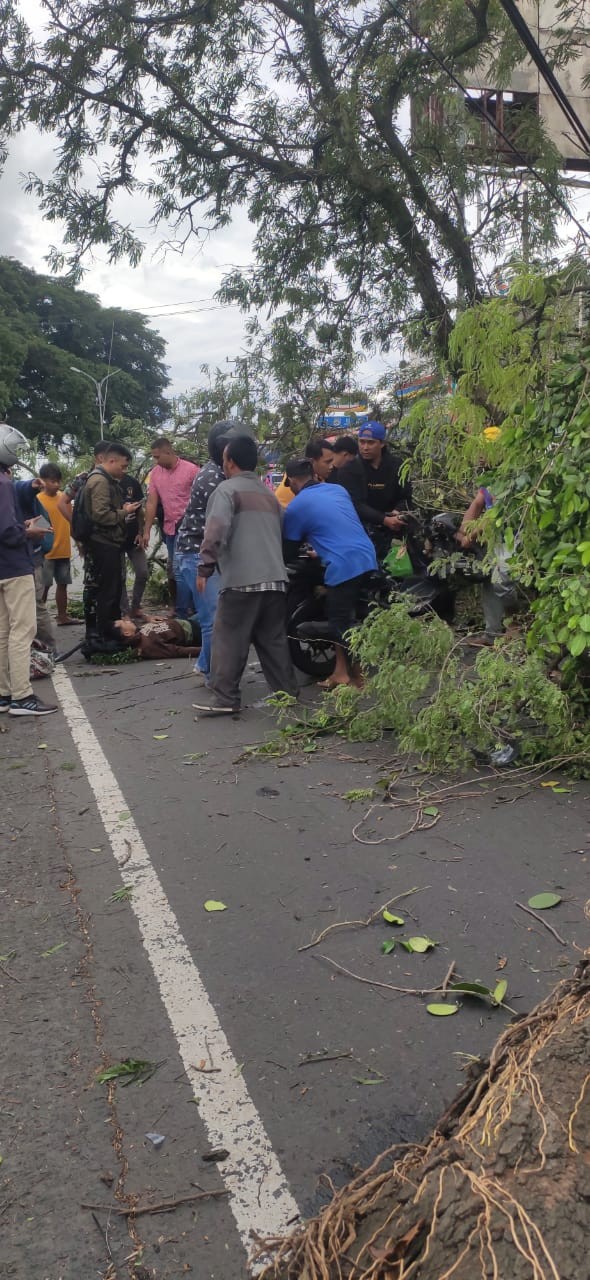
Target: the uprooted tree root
pixel 502 1189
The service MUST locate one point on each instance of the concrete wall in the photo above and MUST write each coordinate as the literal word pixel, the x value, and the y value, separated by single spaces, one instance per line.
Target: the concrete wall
pixel 542 17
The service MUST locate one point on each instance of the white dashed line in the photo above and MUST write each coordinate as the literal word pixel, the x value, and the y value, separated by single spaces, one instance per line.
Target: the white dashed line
pixel 259 1198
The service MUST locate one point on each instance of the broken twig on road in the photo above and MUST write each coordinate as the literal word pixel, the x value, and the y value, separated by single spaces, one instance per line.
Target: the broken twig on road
pixel 163 1206
pixel 540 919
pixel 362 924
pixel 388 986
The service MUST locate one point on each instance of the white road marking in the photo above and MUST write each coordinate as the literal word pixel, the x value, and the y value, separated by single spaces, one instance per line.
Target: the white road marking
pixel 259 1199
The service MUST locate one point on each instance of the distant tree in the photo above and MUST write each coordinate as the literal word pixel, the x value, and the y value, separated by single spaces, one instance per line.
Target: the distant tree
pixel 46 326
pixel 292 109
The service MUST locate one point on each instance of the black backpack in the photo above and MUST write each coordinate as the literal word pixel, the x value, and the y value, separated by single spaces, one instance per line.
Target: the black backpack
pixel 82 525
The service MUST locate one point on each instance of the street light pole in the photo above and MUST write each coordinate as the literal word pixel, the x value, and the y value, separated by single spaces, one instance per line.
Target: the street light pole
pixel 101 396
pixel 243 363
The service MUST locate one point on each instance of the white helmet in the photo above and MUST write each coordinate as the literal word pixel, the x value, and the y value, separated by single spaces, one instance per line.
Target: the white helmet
pixel 11 441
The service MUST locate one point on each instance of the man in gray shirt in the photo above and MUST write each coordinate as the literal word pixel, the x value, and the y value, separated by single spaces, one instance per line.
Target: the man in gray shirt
pixel 243 540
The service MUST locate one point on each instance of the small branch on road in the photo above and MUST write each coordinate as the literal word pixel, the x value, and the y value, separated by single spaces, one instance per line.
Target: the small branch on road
pixel 163 1206
pixel 9 974
pixel 388 986
pixel 323 1057
pixel 259 814
pixel 447 978
pixel 105 1235
pixel 417 825
pixel 542 921
pixel 362 924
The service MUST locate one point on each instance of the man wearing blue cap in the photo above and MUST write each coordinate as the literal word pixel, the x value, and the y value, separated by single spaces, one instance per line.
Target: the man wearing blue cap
pixel 373 482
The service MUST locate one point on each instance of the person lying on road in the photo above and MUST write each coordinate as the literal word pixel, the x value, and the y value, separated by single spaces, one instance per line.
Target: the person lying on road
pixel 161 637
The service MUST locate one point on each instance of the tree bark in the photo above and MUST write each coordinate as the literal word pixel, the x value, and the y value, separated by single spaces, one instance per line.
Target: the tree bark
pixel 502 1189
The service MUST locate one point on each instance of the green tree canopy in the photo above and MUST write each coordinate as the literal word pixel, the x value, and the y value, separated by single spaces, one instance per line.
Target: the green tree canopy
pixel 46 326
pixel 292 109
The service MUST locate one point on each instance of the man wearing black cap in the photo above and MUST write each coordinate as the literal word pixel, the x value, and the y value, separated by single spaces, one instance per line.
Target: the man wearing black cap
pixel 374 484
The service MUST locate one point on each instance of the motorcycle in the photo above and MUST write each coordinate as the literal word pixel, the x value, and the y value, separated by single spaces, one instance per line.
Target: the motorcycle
pixel 428 539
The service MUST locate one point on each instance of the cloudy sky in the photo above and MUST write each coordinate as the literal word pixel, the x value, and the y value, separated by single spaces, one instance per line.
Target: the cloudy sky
pixel 176 290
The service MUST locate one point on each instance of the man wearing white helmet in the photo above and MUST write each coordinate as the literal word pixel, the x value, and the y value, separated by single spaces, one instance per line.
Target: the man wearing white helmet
pixel 18 615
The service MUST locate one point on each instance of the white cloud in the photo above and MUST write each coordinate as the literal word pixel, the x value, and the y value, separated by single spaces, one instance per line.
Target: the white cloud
pixel 161 279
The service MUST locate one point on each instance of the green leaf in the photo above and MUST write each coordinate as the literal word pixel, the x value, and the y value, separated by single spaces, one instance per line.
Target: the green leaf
pixel 578 644
pixel 561 791
pixel 442 1010
pixel 159 737
pixel 420 945
pixel 388 947
pixel 471 988
pixel 542 901
pixel 389 918
pixel 52 950
pixel 122 895
pixel 500 991
pixel 366 1080
pixel 431 811
pixel 212 905
pixel 124 815
pixel 129 1071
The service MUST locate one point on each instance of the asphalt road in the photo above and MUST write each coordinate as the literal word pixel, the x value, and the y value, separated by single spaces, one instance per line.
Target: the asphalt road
pixel 225 1002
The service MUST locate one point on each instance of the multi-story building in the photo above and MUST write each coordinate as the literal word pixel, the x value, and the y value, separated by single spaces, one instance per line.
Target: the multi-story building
pixel 528 90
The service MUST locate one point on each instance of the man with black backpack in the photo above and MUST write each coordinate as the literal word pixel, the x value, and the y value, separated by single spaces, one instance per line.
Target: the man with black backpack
pixel 99 523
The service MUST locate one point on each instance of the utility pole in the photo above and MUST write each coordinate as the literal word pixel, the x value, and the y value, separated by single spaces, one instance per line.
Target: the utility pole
pixel 526 224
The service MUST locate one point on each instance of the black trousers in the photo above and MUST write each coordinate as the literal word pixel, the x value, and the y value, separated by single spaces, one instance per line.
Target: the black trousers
pixel 244 618
pixel 342 604
pixel 106 562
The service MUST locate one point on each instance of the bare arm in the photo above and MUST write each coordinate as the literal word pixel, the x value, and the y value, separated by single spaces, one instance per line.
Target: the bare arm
pixel 151 507
pixel 465 535
pixel 65 507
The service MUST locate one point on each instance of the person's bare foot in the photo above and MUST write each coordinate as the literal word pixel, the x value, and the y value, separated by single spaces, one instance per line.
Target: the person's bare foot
pixel 69 622
pixel 333 682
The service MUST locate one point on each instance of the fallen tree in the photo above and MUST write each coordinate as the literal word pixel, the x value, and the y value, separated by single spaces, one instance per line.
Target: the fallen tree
pixel 500 1191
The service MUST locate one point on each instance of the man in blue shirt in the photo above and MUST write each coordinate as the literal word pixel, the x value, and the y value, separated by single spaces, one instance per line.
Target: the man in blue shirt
pixel 324 515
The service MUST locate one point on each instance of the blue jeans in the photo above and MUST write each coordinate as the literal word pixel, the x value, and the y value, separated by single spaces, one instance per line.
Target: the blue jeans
pixel 203 603
pixel 184 598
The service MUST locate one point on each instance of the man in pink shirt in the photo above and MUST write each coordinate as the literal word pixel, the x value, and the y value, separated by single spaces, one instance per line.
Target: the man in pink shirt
pixel 169 483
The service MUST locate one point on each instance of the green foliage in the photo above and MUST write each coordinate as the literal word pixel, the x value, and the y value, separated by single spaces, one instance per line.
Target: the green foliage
pixel 543 514
pixel 507 698
pixel 120 659
pixel 446 712
pixel 46 326
pixel 524 364
pixel 291 111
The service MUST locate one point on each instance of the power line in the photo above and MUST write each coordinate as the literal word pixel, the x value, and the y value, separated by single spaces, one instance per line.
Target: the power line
pixel 523 30
pixel 182 302
pixel 189 311
pixel 488 119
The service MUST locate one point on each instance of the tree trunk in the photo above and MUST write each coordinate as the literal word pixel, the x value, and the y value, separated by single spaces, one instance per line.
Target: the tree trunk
pixel 502 1189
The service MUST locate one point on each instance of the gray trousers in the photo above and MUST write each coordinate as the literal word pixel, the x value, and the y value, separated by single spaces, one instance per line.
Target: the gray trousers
pixel 245 618
pixel 45 629
pixel 138 560
pixel 498 595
